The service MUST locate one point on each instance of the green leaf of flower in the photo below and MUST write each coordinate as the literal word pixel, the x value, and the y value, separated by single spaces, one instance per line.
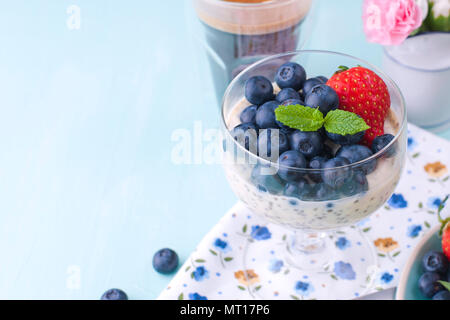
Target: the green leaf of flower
pixel 344 123
pixel 300 117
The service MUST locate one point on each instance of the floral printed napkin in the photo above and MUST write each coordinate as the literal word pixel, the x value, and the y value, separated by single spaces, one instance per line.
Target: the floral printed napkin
pixel 220 269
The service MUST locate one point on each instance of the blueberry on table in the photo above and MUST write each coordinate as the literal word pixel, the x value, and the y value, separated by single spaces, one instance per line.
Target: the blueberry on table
pixel 297 189
pixel 246 135
pixel 356 153
pixel 290 75
pixel 289 162
pixel 266 180
pixel 310 144
pixel 322 97
pixel 356 185
pixel 434 261
pixel 272 143
pixel 429 284
pixel 165 261
pixel 114 294
pixel 380 142
pixel 249 114
pixel 334 176
pixel 346 139
pixel 316 163
pixel 258 90
pixel 309 84
pixel 265 116
pixel 287 94
pixel 442 295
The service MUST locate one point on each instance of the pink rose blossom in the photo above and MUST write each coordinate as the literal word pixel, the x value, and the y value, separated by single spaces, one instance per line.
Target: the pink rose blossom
pixel 390 22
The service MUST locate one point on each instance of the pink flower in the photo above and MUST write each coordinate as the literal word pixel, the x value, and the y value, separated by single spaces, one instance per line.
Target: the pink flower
pixel 390 22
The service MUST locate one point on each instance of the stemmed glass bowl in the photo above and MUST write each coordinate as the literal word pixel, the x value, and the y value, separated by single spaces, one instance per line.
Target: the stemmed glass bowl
pixel 314 219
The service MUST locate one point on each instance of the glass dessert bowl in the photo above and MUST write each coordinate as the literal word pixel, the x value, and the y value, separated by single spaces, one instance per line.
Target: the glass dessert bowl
pixel 300 181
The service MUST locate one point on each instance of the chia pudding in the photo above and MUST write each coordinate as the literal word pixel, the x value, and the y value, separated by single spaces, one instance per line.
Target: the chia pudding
pixel 305 213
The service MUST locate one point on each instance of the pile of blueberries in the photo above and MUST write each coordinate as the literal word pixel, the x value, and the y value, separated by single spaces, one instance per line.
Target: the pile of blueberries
pixel 303 150
pixel 436 267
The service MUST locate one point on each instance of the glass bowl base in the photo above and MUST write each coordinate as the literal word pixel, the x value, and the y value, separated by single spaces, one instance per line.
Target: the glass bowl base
pixel 339 265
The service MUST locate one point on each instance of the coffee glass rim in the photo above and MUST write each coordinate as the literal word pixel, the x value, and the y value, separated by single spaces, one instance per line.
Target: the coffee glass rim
pixel 268 3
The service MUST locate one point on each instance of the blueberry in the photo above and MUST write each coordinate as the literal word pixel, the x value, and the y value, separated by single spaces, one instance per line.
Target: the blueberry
pixel 114 294
pixel 336 177
pixel 290 75
pixel 316 163
pixel 323 79
pixel 347 139
pixel 258 90
pixel 434 261
pixel 165 261
pixel 266 180
pixel 292 159
pixel 265 116
pixel 380 142
pixel 356 185
pixel 246 135
pixel 294 102
pixel 322 192
pixel 327 152
pixel 442 295
pixel 309 84
pixel 249 114
pixel 310 144
pixel 297 189
pixel 429 285
pixel 355 153
pixel 287 94
pixel 322 97
pixel 268 150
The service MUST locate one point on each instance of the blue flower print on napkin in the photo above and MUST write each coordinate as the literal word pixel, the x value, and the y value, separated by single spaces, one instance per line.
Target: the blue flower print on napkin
pixel 276 265
pixel 386 277
pixel 344 270
pixel 260 233
pixel 397 201
pixel 412 143
pixel 343 243
pixel 222 245
pixel 196 296
pixel 434 203
pixel 200 274
pixel 414 231
pixel 304 288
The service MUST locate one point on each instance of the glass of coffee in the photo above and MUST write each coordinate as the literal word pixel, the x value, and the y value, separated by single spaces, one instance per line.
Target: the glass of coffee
pixel 241 32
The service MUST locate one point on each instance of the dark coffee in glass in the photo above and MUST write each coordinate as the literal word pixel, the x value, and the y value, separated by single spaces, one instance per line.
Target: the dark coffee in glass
pixel 239 33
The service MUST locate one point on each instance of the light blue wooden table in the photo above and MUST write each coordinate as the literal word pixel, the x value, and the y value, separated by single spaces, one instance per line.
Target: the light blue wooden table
pixel 88 191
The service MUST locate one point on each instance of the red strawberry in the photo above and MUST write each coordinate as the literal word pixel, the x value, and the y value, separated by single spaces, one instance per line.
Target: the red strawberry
pixel 445 229
pixel 363 92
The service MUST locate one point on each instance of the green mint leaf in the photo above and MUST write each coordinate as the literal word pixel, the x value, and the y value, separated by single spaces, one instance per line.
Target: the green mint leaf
pixel 344 122
pixel 445 284
pixel 300 117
